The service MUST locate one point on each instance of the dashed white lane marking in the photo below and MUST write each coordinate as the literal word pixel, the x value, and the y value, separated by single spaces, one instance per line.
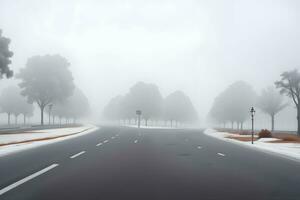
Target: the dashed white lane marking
pixel 199 147
pixel 28 178
pixel 77 154
pixel 221 154
pixel 135 141
pixel 99 144
pixel 112 137
pixel 105 141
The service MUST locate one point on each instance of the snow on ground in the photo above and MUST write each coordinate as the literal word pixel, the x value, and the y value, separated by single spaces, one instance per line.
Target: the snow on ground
pixel 43 135
pixel 287 150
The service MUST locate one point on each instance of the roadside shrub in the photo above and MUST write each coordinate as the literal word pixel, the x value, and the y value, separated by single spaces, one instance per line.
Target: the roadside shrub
pixel 264 133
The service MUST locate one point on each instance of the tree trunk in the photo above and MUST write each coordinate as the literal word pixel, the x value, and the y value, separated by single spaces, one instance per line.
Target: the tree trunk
pixel 232 125
pixel 53 119
pixel 272 122
pixel 242 125
pixel 24 119
pixel 42 115
pixel 16 119
pixel 298 118
pixel 146 122
pixel 8 119
pixel 171 123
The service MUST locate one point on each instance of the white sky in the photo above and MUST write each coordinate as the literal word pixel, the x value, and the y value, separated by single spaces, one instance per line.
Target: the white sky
pixel 198 46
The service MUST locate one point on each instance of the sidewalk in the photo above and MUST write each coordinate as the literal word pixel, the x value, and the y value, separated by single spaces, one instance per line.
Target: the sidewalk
pixel 287 150
pixel 28 139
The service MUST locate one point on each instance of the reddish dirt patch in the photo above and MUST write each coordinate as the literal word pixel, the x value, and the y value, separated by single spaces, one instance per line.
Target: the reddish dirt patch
pixel 286 138
pixel 243 139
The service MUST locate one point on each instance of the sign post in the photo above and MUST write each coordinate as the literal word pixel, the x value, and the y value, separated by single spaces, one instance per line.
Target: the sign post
pixel 139 113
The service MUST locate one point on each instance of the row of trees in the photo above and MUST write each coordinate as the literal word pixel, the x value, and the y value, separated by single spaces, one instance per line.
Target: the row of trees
pixel 233 104
pixel 46 81
pixel 147 98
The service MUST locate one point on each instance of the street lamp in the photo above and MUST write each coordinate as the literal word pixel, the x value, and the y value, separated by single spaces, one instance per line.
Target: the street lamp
pixel 50 108
pixel 252 111
pixel 139 113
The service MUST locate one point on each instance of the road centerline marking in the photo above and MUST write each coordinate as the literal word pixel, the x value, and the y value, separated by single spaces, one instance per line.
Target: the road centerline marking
pixel 105 141
pixel 28 178
pixel 135 141
pixel 199 147
pixel 221 154
pixel 77 154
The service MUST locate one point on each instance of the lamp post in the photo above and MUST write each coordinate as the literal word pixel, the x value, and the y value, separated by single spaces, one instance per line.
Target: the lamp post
pixel 139 113
pixel 50 108
pixel 252 111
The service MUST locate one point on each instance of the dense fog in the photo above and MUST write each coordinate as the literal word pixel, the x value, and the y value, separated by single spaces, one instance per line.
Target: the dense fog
pixel 197 50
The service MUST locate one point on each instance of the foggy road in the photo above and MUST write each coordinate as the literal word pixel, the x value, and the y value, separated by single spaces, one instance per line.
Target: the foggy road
pixel 123 163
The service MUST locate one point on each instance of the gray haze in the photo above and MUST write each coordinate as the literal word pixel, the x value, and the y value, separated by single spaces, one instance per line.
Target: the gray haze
pixel 196 46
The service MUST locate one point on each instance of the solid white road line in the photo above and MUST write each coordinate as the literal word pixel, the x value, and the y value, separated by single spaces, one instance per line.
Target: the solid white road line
pixel 99 144
pixel 105 141
pixel 199 147
pixel 221 154
pixel 135 141
pixel 77 154
pixel 28 178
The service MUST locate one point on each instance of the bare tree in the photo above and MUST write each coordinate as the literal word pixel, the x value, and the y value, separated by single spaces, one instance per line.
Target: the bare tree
pixel 290 86
pixel 271 102
pixel 46 79
pixel 5 55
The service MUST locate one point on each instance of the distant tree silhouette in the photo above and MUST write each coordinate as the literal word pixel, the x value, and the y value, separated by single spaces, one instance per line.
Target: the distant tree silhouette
pixel 112 111
pixel 46 79
pixel 5 55
pixel 271 102
pixel 179 108
pixel 13 103
pixel 290 86
pixel 145 97
pixel 74 107
pixel 233 104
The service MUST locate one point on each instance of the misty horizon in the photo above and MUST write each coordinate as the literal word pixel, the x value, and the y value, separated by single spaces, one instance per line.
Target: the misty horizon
pixel 198 47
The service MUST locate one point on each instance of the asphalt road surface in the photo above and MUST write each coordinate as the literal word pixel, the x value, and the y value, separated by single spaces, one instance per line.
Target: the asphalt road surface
pixel 122 163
